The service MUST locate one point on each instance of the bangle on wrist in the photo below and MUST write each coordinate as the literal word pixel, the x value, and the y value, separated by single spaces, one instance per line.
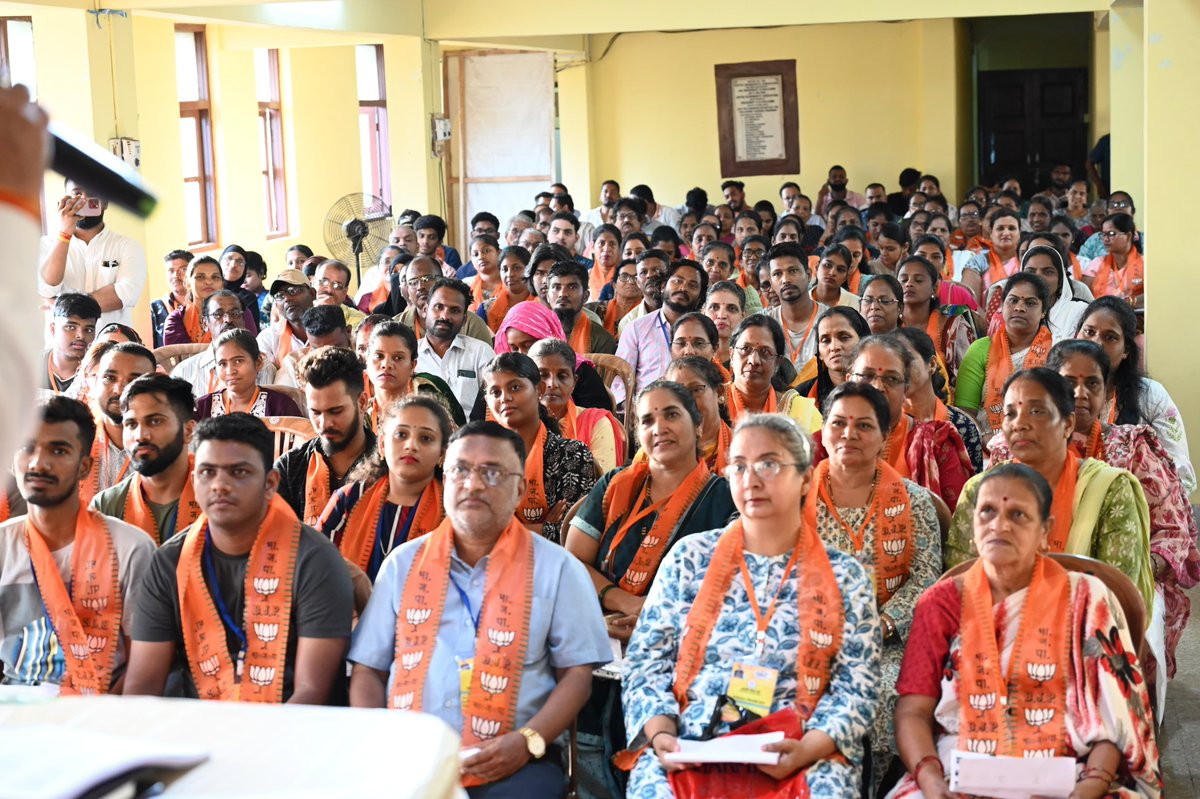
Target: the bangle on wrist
pixel 1097 773
pixel 925 761
pixel 650 743
pixel 604 592
pixel 66 237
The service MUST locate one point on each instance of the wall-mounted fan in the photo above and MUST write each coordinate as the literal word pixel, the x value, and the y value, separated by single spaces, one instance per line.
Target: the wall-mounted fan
pixel 357 226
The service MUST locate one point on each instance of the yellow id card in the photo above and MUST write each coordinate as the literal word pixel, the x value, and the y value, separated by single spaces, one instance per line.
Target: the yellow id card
pixel 466 668
pixel 753 687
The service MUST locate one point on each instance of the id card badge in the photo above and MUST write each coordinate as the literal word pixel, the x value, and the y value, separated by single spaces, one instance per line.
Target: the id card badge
pixel 753 687
pixel 466 668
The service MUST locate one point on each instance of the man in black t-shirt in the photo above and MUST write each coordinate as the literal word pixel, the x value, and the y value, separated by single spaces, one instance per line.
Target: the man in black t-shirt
pixel 236 487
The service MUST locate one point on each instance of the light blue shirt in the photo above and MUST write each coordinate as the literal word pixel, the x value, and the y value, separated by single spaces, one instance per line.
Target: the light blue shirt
pixel 566 627
pixel 646 346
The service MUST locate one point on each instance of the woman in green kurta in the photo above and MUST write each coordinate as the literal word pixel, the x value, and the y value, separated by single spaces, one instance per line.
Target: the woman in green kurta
pixel 1099 510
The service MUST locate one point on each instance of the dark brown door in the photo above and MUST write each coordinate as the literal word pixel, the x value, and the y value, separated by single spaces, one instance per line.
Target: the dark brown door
pixel 1030 120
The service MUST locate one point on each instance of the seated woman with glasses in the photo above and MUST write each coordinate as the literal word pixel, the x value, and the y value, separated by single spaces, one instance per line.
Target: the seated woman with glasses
pixel 596 428
pixel 694 334
pixel 758 622
pixel 558 471
pixel 237 361
pixel 1018 657
pixel 1122 271
pixel 882 303
pixel 513 287
pixel 839 329
pixel 395 495
pixel 756 346
pixel 187 324
pixel 703 379
pixel 931 454
pixel 627 295
pixel 1022 341
pixel 392 374
pixel 630 520
pixel 863 507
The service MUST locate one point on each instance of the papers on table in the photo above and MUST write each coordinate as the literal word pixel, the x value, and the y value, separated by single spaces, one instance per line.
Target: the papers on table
pixel 728 749
pixel 1011 777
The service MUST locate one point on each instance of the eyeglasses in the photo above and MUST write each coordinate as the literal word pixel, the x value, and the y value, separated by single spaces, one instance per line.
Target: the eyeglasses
pixel 627 217
pixel 491 476
pixel 763 353
pixel 968 214
pixel 1111 234
pixel 1120 204
pixel 625 277
pixel 227 316
pixel 883 302
pixel 416 282
pixel 326 283
pixel 765 469
pixel 888 380
pixel 753 254
pixel 289 291
pixel 692 343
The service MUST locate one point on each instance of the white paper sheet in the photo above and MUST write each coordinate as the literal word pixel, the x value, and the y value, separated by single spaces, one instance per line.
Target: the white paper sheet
pixel 728 749
pixel 1011 777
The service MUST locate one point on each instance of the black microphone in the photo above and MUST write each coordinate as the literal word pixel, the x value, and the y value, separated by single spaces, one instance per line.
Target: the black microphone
pixel 101 173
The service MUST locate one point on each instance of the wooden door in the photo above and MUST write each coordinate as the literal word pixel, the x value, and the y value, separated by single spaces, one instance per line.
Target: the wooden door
pixel 1030 120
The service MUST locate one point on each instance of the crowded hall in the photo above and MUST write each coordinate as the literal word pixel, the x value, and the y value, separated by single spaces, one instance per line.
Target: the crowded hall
pixel 593 404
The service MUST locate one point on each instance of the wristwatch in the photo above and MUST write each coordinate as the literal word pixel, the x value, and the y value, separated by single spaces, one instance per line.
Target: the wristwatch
pixel 533 742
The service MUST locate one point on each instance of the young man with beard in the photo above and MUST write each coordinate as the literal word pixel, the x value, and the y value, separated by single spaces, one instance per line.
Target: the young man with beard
pixel 565 293
pixel 177 294
pixel 835 189
pixel 334 390
pixel 248 605
pixel 797 311
pixel 610 192
pixel 119 367
pixel 325 326
pixel 87 256
pixel 651 274
pixel 65 571
pixel 292 295
pixel 420 276
pixel 734 192
pixel 646 343
pixel 157 418
pixel 444 351
pixel 72 331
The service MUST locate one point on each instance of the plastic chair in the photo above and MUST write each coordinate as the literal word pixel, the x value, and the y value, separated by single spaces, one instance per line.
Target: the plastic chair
pixel 293 393
pixel 611 367
pixel 290 432
pixel 170 356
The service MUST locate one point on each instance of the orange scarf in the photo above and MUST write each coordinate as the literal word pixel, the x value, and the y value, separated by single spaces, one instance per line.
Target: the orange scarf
pixel 597 280
pixel 581 334
pixel 996 269
pixel 613 315
pixel 1000 366
pixel 581 426
pixel 90 631
pixel 501 634
pixel 90 487
pixel 380 294
pixel 5 509
pixel 854 282
pixel 940 412
pixel 628 492
pixel 1076 267
pixel 316 488
pixel 479 296
pixel 934 328
pixel 501 302
pixel 737 403
pixel 287 341
pixel 891 511
pixel 362 527
pixel 1021 712
pixel 1063 506
pixel 1125 279
pixel 191 323
pixel 1094 448
pixel 268 595
pixel 138 513
pixel 717 457
pixel 895 453
pixel 534 504
pixel 821 614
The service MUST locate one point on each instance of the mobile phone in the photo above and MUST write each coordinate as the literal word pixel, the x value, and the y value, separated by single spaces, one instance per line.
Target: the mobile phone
pixel 91 207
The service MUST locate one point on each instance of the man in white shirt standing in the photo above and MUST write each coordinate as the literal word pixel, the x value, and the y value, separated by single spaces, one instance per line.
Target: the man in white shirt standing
pixel 455 358
pixel 88 257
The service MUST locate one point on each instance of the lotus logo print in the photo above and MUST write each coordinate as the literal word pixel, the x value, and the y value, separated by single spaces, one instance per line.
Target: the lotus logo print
pixel 651 541
pixel 820 640
pixel 1041 672
pixel 210 666
pixel 813 684
pixel 404 701
pixel 266 632
pixel 894 546
pixel 1039 753
pixel 995 408
pixel 636 577
pixel 262 675
pixel 501 638
pixel 96 643
pixel 97 604
pixel 532 514
pixel 266 585
pixel 484 728
pixel 81 651
pixel 410 660
pixel 493 683
pixel 895 510
pixel 893 583
pixel 981 747
pixel 418 616
pixel 87 690
pixel 982 701
pixel 1038 716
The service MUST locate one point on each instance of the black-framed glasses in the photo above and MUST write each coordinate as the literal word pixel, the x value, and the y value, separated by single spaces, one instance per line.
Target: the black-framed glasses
pixel 289 291
pixel 888 380
pixel 230 315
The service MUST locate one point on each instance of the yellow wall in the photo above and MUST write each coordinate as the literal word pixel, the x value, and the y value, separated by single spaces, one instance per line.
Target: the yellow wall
pixel 652 106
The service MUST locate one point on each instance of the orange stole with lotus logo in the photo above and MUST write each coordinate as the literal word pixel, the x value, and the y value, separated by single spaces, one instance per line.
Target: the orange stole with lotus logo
pixel 1021 712
pixel 891 508
pixel 999 367
pixel 501 636
pixel 87 621
pixel 270 573
pixel 534 505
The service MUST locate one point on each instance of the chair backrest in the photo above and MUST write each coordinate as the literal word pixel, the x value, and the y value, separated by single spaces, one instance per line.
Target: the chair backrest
pixel 611 367
pixel 290 432
pixel 169 357
pixel 1117 581
pixel 293 393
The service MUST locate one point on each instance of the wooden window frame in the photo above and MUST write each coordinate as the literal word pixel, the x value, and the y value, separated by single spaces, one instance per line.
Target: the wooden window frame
pixel 380 156
pixel 201 111
pixel 274 173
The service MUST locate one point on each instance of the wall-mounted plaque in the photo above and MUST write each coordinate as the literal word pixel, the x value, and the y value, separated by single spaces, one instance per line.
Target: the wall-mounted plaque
pixel 757 118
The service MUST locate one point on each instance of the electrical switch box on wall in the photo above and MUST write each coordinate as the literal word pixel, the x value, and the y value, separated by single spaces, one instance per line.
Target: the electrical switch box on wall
pixel 128 150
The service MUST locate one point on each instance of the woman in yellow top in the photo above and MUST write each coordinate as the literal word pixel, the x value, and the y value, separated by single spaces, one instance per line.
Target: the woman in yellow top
pixel 596 428
pixel 756 345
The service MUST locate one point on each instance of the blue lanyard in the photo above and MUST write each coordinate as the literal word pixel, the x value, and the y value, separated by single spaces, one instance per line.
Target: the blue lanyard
pixel 210 570
pixel 467 604
pixel 666 331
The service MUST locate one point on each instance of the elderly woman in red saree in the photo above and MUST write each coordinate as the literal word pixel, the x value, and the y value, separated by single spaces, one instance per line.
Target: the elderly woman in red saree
pixel 978 678
pixel 1136 448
